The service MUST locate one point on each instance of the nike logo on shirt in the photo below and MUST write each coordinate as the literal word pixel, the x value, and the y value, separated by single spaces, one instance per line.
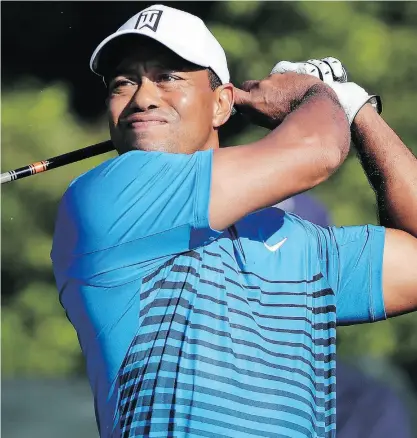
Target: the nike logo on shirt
pixel 273 248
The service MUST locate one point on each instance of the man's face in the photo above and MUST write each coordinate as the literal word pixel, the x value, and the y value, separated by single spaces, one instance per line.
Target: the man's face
pixel 159 102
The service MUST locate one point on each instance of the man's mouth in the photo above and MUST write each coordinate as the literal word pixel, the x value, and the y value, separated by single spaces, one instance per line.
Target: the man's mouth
pixel 140 125
pixel 140 121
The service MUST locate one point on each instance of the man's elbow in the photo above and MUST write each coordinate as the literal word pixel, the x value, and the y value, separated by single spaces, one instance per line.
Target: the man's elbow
pixel 334 141
pixel 330 152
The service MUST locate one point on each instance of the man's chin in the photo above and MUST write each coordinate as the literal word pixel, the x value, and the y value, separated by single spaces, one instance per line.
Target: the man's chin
pixel 146 142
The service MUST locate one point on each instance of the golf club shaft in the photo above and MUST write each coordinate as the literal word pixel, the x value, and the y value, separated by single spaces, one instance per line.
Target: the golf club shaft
pixel 58 161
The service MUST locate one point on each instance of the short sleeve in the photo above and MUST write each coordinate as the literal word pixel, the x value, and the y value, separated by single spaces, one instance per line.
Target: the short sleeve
pixel 132 211
pixel 352 258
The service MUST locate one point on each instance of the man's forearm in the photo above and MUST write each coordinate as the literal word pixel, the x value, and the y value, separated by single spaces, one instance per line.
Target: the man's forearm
pixel 391 169
pixel 303 151
pixel 318 116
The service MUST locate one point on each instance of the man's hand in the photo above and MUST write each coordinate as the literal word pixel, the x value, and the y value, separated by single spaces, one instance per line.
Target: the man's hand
pixel 266 103
pixel 331 71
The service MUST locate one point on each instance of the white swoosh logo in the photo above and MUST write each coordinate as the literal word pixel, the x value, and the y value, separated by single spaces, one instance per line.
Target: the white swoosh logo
pixel 273 248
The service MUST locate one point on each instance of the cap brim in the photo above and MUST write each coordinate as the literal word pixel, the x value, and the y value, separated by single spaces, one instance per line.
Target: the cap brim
pixel 181 51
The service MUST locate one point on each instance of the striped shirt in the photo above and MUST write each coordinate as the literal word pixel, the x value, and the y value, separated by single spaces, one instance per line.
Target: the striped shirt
pixel 191 332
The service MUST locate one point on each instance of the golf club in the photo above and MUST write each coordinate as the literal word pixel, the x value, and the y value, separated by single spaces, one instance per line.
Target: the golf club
pixel 58 161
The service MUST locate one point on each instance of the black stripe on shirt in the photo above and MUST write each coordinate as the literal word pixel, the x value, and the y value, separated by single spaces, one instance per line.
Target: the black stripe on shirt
pixel 153 368
pixel 176 352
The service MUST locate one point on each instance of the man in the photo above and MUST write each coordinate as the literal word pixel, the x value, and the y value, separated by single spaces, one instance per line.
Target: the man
pixel 200 311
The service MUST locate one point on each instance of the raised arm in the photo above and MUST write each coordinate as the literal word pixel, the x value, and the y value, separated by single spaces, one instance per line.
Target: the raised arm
pixel 391 169
pixel 309 140
pixel 392 172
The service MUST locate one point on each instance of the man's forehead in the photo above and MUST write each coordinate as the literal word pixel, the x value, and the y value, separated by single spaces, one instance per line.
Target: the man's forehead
pixel 138 52
pixel 138 59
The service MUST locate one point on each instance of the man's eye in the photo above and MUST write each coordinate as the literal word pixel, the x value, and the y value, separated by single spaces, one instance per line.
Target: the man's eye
pixel 167 77
pixel 121 84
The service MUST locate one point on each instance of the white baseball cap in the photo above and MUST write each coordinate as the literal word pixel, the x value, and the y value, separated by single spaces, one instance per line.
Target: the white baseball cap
pixel 183 33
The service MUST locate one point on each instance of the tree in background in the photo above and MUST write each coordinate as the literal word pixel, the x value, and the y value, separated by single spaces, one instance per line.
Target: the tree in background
pixel 36 122
pixel 376 41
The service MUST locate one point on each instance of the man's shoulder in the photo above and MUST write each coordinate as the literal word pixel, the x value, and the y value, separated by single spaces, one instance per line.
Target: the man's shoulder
pixel 123 169
pixel 276 245
pixel 91 175
pixel 274 219
pixel 275 224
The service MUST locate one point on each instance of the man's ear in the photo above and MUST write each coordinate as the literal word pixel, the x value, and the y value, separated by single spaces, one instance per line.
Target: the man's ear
pixel 223 104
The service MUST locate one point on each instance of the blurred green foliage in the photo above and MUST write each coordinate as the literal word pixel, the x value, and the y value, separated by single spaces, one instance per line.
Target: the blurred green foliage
pixel 375 40
pixel 37 122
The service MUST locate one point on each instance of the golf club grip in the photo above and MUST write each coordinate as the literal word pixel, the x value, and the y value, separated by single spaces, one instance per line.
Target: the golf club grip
pixel 58 161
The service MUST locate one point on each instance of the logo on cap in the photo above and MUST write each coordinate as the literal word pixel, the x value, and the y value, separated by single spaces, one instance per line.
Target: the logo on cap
pixel 149 18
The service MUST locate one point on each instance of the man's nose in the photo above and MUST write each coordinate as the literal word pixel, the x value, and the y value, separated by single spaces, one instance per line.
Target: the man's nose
pixel 147 96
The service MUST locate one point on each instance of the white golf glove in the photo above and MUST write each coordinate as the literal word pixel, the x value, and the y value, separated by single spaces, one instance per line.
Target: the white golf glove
pixel 331 71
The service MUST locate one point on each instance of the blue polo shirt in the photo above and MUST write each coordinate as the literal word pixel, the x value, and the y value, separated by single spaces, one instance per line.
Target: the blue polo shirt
pixel 192 332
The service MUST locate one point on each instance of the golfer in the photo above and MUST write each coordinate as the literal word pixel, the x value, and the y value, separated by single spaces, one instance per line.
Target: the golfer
pixel 202 312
